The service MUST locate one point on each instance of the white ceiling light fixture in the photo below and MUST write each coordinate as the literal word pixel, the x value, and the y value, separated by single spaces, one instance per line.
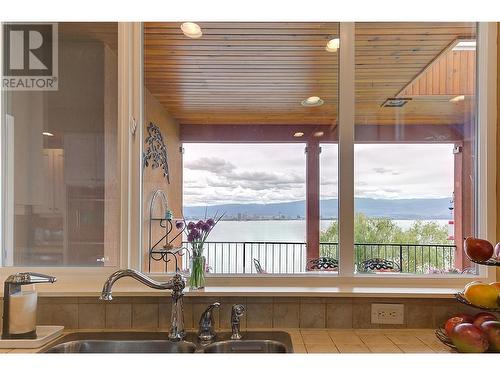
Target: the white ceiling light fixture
pixel 298 134
pixel 318 134
pixel 47 134
pixel 191 30
pixel 465 45
pixel 458 98
pixel 312 101
pixel 333 45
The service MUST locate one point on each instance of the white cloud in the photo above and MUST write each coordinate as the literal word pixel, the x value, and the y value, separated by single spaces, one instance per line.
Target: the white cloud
pixel 266 173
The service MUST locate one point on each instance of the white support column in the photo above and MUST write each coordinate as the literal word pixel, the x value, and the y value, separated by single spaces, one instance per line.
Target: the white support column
pixel 130 92
pixel 346 149
pixel 486 199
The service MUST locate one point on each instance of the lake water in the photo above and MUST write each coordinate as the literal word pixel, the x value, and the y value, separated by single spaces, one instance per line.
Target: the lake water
pixel 277 230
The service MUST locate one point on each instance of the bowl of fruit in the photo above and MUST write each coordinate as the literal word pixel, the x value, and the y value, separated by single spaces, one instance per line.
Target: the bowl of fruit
pixel 466 333
pixel 481 295
pixel 482 251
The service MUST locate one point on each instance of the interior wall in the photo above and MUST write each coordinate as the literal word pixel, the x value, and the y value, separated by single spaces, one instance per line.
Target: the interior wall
pixel 153 179
pixel 498 139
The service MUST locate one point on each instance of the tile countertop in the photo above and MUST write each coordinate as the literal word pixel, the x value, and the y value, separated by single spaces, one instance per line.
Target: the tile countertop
pixel 346 341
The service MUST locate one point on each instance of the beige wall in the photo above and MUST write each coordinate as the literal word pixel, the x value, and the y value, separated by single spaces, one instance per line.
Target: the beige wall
pixel 153 178
pixel 498 138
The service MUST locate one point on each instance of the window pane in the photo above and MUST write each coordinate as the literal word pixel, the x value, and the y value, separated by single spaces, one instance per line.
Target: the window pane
pixel 254 96
pixel 60 155
pixel 414 146
pixel 260 189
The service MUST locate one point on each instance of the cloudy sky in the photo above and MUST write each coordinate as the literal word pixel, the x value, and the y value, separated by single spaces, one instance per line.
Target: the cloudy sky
pixel 269 173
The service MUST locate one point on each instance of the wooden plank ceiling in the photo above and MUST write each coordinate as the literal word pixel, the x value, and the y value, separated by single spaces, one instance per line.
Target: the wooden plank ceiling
pixel 258 73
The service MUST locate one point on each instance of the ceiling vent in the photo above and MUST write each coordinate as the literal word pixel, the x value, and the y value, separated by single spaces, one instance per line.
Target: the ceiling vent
pixel 395 102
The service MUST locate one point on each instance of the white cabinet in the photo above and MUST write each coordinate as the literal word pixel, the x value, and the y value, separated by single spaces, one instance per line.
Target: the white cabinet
pixel 52 187
pixel 84 161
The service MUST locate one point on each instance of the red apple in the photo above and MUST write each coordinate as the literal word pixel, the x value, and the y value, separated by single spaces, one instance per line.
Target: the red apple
pixel 477 249
pixel 483 317
pixel 468 338
pixel 492 331
pixel 456 320
pixel 496 251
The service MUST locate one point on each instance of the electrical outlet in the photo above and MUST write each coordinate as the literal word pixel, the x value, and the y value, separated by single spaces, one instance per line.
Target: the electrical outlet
pixel 386 313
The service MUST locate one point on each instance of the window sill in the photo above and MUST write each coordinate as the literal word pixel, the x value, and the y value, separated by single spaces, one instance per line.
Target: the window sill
pixel 259 291
pixel 88 283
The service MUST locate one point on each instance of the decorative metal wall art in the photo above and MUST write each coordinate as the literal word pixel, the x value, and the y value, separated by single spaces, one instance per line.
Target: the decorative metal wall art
pixel 156 151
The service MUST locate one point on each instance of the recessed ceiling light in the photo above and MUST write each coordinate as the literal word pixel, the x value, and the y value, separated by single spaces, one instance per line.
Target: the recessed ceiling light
pixel 298 134
pixel 333 45
pixel 465 45
pixel 312 101
pixel 457 99
pixel 191 30
pixel 318 134
pixel 47 134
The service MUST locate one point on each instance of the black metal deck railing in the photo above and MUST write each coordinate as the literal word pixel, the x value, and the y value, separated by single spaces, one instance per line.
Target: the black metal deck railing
pixel 291 257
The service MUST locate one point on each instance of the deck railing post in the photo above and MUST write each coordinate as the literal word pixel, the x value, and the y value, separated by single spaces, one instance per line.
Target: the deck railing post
pixel 401 258
pixel 244 256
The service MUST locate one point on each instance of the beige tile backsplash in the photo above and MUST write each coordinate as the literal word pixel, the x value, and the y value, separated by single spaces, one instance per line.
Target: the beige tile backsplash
pixel 261 312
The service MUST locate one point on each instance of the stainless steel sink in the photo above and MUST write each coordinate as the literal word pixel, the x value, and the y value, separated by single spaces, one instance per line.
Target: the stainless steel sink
pixel 120 342
pixel 246 346
pixel 157 342
pixel 124 346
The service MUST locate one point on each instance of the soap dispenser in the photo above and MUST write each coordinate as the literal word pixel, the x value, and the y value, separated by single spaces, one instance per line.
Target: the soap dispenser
pixel 19 304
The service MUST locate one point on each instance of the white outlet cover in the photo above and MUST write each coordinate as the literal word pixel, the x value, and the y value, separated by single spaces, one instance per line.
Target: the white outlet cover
pixel 387 313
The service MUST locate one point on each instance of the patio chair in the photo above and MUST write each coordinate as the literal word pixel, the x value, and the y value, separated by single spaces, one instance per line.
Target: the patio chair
pixel 322 264
pixel 258 267
pixel 379 265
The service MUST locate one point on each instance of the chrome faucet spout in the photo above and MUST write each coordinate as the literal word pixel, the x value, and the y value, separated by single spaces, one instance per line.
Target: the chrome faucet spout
pixel 176 284
pixel 108 285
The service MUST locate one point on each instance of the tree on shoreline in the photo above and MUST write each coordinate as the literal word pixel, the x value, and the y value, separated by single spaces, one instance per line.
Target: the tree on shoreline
pixel 384 230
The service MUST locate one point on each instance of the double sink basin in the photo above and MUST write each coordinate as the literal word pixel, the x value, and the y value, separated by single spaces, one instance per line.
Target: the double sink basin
pixel 157 342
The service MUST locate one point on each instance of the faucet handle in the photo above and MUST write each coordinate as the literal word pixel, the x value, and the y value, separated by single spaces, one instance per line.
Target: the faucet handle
pixel 237 311
pixel 206 326
pixel 208 310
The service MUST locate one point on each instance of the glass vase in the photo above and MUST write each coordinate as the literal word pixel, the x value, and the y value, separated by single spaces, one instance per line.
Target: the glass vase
pixel 197 275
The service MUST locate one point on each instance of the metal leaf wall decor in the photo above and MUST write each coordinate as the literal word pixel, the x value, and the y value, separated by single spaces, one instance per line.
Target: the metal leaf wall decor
pixel 156 151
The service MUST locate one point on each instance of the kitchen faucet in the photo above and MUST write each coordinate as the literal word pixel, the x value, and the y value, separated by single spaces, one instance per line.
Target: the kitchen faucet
pixel 176 284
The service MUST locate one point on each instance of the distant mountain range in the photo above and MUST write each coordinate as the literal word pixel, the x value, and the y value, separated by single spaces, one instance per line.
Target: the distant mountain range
pixel 399 209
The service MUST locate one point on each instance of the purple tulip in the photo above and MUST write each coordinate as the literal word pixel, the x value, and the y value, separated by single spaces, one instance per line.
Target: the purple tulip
pixel 206 227
pixel 195 233
pixel 190 225
pixel 211 222
pixel 190 237
pixel 179 224
pixel 199 224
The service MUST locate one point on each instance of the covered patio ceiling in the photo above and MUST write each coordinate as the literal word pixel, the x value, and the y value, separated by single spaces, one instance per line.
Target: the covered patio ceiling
pixel 258 73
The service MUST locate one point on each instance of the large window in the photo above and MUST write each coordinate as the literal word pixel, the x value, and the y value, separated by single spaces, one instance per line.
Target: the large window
pixel 415 151
pixel 60 152
pixel 411 173
pixel 378 171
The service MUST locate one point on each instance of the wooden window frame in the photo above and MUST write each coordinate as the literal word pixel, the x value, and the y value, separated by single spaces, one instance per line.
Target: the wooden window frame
pixel 88 281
